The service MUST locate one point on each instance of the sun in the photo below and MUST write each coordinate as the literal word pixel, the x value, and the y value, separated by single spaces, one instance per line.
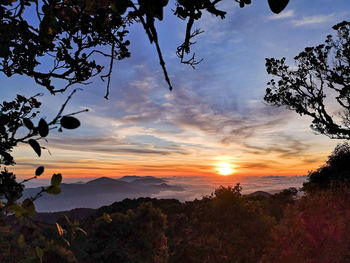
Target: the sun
pixel 225 169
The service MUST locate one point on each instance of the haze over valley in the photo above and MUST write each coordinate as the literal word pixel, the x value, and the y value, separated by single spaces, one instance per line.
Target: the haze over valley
pixel 87 193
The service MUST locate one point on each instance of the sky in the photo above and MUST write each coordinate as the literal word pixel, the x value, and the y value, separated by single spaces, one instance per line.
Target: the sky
pixel 215 117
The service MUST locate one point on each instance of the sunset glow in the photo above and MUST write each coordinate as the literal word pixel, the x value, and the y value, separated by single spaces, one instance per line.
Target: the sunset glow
pixel 225 169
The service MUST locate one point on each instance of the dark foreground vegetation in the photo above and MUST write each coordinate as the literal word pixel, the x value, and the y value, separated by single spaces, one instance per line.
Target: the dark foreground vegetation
pixel 308 226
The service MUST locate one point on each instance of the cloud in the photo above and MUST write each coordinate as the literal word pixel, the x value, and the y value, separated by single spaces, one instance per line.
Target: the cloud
pixel 190 122
pixel 286 147
pixel 215 31
pixel 283 15
pixel 191 113
pixel 313 20
pixel 255 165
pixel 113 145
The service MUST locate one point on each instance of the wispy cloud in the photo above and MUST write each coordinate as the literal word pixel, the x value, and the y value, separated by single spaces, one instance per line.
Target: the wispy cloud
pixel 112 145
pixel 201 125
pixel 286 147
pixel 283 15
pixel 313 20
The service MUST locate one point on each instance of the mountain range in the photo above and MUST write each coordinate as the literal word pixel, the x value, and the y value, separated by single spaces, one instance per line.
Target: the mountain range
pixel 99 192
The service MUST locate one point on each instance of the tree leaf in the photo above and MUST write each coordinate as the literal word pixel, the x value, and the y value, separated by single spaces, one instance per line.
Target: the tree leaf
pixel 39 171
pixel 56 179
pixel 28 206
pixel 59 229
pixel 67 242
pixel 81 230
pixel 28 123
pixel 277 6
pixel 68 221
pixel 53 190
pixel 107 218
pixel 14 208
pixel 20 240
pixel 39 253
pixel 35 145
pixel 43 128
pixel 70 122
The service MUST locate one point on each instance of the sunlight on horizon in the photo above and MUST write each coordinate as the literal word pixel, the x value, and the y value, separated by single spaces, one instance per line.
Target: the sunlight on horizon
pixel 225 169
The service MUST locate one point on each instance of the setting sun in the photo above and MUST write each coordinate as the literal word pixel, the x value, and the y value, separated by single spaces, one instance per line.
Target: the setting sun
pixel 225 169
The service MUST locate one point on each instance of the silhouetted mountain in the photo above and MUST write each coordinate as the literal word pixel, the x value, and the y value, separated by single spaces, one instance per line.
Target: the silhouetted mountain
pixel 149 180
pixel 99 192
pixel 74 214
pixel 103 180
pixel 142 179
pixel 260 193
pixel 130 178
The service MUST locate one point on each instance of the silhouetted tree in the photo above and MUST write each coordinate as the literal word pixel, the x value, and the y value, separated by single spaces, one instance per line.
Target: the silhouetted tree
pixel 73 32
pixel 277 203
pixel 336 171
pixel 321 73
pixel 15 115
pixel 16 218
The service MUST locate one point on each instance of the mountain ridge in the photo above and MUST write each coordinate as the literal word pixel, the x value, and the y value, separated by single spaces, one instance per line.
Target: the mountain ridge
pixel 99 192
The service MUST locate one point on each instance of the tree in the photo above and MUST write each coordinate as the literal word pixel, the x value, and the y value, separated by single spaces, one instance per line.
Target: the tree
pixel 222 227
pixel 135 236
pixel 321 73
pixel 73 32
pixel 335 172
pixel 314 229
pixel 18 227
pixel 14 115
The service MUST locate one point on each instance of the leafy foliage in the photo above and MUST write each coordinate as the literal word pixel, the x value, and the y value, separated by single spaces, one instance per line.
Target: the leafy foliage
pixel 315 229
pixel 21 112
pixel 24 234
pixel 13 115
pixel 277 6
pixel 136 236
pixel 223 227
pixel 10 189
pixel 321 71
pixel 75 32
pixel 335 172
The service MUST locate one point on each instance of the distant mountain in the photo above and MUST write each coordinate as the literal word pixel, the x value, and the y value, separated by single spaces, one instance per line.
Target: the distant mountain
pixel 130 178
pixel 99 192
pixel 103 180
pixel 260 193
pixel 142 179
pixel 74 214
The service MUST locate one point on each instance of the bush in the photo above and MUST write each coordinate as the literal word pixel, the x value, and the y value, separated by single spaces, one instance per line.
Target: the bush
pixel 315 229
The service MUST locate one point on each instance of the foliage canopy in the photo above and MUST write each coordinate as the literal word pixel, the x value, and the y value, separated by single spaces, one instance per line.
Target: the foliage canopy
pixel 73 33
pixel 335 172
pixel 321 72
